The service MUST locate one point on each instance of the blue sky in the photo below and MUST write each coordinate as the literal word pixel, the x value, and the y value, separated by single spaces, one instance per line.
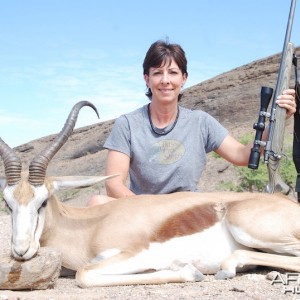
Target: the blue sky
pixel 55 53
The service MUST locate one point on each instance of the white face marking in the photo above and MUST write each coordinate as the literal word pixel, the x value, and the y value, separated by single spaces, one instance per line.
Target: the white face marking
pixel 27 221
pixel 8 195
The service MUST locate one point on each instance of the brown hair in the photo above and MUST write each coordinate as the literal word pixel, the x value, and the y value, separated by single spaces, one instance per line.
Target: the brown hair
pixel 162 52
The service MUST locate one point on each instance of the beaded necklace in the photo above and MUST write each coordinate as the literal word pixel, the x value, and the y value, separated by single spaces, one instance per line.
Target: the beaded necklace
pixel 163 132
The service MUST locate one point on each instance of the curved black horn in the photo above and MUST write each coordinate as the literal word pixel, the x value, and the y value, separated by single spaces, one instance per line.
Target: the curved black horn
pixel 12 163
pixel 38 166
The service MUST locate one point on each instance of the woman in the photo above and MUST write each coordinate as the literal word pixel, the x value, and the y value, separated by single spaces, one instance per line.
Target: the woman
pixel 163 146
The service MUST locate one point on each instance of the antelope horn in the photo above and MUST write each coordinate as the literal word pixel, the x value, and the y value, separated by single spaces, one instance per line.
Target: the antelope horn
pixel 12 164
pixel 38 166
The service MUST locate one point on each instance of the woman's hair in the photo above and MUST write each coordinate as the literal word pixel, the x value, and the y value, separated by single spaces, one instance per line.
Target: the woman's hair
pixel 162 52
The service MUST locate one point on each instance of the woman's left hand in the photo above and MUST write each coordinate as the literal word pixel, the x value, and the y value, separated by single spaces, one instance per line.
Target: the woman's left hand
pixel 287 100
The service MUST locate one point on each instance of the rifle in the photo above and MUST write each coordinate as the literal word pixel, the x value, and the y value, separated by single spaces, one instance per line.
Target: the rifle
pixel 274 143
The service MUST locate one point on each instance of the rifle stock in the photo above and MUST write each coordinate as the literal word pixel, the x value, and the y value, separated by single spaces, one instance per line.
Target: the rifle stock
pixel 274 145
pixel 277 119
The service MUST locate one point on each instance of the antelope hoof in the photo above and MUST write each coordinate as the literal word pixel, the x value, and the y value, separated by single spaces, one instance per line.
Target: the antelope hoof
pixel 190 273
pixel 223 275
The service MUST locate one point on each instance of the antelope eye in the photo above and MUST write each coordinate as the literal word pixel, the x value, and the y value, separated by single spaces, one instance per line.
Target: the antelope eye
pixel 44 204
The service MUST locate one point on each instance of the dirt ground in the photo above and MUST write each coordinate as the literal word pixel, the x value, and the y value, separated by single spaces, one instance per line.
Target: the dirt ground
pixel 253 285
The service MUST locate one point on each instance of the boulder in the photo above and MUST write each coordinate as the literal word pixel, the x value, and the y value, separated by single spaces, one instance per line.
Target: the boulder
pixel 38 273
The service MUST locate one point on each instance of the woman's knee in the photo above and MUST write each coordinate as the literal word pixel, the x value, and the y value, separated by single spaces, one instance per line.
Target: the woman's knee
pixel 98 200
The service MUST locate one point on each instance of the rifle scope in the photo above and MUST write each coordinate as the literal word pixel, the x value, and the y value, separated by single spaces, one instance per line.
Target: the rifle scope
pixel 265 97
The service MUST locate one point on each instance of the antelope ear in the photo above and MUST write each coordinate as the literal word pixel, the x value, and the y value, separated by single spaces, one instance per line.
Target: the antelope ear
pixel 3 182
pixel 69 182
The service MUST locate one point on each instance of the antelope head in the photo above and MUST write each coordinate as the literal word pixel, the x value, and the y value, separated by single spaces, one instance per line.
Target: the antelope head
pixel 26 195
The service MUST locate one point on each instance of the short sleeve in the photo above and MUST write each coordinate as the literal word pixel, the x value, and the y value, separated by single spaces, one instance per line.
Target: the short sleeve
pixel 119 138
pixel 216 134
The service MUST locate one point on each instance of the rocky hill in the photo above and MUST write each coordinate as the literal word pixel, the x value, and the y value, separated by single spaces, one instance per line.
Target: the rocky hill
pixel 232 98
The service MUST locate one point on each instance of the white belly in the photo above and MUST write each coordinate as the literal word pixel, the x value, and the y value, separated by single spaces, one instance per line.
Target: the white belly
pixel 205 250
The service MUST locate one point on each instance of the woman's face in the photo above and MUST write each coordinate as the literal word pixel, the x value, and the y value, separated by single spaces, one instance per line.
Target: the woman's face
pixel 165 82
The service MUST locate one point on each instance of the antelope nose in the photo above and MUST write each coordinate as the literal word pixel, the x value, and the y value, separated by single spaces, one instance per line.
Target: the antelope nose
pixel 21 247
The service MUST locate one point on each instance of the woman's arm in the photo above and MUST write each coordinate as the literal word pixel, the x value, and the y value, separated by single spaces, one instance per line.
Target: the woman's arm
pixel 117 163
pixel 237 153
pixel 234 152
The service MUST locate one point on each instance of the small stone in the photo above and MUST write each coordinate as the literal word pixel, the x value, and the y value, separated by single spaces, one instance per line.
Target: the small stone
pixel 271 275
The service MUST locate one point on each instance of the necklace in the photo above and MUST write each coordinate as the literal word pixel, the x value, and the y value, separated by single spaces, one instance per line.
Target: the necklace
pixel 162 132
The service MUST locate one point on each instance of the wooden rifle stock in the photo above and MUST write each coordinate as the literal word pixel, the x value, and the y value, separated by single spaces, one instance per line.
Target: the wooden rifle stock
pixel 274 144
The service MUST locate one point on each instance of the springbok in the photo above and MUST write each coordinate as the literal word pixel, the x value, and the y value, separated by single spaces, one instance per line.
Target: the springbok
pixel 146 239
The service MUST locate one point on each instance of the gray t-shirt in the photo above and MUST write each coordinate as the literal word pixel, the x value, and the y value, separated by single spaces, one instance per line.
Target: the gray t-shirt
pixel 162 164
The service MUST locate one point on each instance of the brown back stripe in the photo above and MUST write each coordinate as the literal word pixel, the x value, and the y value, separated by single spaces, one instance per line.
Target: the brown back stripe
pixel 190 221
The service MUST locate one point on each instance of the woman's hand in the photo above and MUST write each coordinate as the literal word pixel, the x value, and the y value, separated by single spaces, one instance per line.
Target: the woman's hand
pixel 287 100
